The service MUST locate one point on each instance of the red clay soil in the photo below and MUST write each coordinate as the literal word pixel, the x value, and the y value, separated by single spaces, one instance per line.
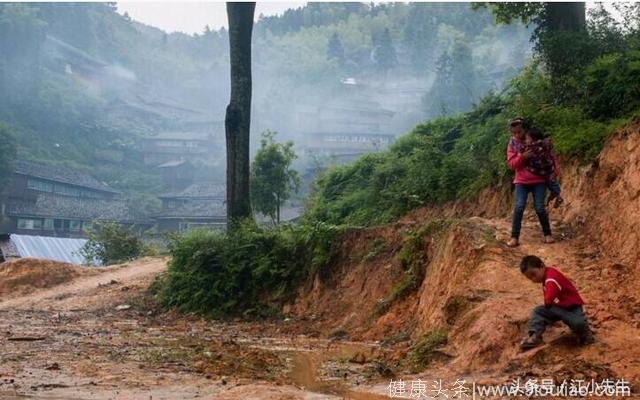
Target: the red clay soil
pixel 473 291
pixel 25 275
pixel 467 286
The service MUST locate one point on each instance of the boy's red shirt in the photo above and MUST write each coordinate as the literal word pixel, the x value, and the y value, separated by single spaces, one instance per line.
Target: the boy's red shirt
pixel 558 290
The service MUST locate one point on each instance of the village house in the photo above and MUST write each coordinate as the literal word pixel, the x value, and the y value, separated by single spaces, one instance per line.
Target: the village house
pixel 48 200
pixel 194 146
pixel 200 205
pixel 349 125
pixel 177 175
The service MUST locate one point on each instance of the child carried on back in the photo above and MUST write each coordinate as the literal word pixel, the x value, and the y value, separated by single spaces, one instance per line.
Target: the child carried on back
pixel 542 162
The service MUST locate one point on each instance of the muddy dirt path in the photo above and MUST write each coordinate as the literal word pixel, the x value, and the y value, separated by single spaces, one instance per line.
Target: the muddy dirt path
pixel 100 337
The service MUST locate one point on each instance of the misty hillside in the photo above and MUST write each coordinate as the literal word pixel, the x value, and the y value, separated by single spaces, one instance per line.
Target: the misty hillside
pixel 82 85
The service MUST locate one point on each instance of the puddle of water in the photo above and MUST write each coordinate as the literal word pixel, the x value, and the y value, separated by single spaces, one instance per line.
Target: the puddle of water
pixel 306 372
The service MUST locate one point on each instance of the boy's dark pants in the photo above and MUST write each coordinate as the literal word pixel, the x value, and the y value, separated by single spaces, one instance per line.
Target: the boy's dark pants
pixel 574 317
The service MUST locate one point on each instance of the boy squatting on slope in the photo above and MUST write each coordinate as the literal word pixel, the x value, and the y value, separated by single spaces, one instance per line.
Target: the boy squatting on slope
pixel 561 303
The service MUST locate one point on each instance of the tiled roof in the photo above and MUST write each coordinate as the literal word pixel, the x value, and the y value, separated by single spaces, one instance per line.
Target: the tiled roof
pixel 181 136
pixel 196 209
pixel 198 190
pixel 48 205
pixel 60 174
pixel 174 163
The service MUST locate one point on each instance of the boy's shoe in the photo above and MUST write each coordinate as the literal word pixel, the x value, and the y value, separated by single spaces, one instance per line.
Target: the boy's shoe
pixel 531 342
pixel 587 339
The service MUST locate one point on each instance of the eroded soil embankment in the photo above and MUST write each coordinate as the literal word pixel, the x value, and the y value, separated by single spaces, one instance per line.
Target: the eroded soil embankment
pixel 389 288
pixel 470 289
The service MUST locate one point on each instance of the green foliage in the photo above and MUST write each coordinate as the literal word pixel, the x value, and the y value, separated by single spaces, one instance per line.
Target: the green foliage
pixel 273 180
pixel 374 249
pixel 335 51
pixel 612 85
pixel 423 349
pixel 111 244
pixel 440 160
pixel 384 53
pixel 240 272
pixel 413 260
pixel 7 154
pixel 453 157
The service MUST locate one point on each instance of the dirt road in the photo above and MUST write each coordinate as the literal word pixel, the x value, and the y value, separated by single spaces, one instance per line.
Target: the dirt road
pixel 100 337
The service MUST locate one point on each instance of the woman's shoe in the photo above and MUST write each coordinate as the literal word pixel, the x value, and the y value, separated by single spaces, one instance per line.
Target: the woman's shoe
pixel 549 239
pixel 558 202
pixel 514 242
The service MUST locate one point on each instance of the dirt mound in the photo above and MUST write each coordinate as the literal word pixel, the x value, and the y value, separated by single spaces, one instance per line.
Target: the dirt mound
pixel 469 289
pixel 25 275
pixel 606 196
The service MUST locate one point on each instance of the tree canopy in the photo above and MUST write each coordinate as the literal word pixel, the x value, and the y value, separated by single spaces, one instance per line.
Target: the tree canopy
pixel 273 180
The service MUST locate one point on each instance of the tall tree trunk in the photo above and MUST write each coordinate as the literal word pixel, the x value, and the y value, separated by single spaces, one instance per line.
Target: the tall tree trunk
pixel 566 16
pixel 238 117
pixel 565 23
pixel 278 208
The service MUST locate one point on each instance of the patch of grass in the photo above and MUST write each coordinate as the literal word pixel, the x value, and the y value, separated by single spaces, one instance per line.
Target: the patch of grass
pixel 374 249
pixel 489 236
pixel 167 356
pixel 338 333
pixel 423 349
pixel 413 259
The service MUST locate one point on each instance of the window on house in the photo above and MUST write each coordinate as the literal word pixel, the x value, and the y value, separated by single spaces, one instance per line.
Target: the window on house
pixel 28 223
pixel 74 226
pixel 66 190
pixel 41 186
pixel 48 224
pixel 58 224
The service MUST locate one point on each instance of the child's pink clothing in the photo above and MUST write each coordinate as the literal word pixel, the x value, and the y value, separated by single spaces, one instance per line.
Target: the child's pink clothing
pixel 516 162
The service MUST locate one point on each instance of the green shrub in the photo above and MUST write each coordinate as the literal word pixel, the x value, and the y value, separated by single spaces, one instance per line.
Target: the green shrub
pixel 413 260
pixel 423 349
pixel 612 85
pixel 454 157
pixel 241 272
pixel 110 243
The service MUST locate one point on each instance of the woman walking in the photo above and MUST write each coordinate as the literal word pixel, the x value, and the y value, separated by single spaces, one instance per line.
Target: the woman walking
pixel 526 182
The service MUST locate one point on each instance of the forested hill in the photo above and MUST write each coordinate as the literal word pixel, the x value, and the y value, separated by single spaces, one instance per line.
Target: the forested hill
pixel 81 84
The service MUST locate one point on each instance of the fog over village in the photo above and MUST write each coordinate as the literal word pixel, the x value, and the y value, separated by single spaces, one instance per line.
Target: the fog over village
pixel 319 200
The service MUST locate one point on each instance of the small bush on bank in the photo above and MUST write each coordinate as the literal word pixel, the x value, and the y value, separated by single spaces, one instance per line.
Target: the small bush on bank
pixel 423 349
pixel 110 243
pixel 242 272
